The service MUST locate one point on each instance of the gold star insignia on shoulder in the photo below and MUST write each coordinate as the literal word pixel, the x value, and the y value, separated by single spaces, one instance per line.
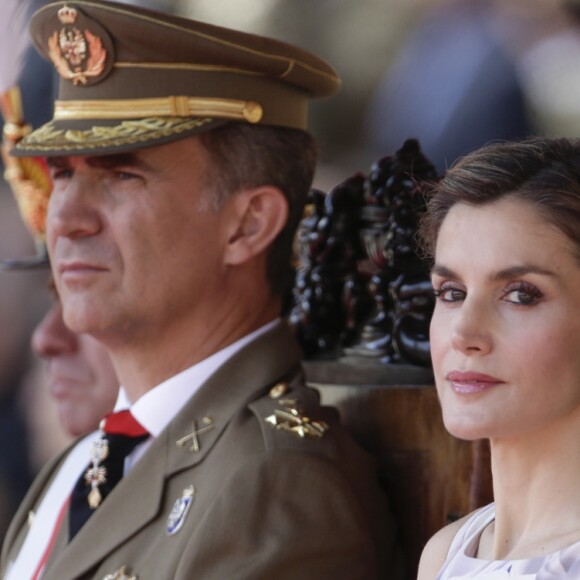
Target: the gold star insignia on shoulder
pixel 120 574
pixel 292 419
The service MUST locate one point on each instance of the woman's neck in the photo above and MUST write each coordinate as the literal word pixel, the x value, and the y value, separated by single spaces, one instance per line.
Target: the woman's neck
pixel 537 493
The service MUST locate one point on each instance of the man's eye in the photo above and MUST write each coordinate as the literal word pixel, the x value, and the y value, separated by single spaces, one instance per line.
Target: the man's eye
pixel 126 175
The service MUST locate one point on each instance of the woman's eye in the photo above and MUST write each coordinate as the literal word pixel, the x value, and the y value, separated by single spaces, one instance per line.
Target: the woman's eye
pixel 449 294
pixel 524 295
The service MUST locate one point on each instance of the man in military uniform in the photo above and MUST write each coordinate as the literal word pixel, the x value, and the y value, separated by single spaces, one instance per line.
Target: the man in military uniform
pixel 180 164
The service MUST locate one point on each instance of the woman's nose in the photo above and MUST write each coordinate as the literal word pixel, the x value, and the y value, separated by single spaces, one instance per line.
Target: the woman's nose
pixel 471 331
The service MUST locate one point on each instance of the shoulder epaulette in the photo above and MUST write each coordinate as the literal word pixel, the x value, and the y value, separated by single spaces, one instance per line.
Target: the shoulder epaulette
pixel 290 416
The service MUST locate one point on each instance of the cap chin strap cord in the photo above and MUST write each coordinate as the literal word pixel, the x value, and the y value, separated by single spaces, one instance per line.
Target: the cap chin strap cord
pixel 178 106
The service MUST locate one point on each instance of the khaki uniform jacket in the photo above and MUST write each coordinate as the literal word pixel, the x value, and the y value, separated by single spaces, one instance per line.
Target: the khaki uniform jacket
pixel 267 504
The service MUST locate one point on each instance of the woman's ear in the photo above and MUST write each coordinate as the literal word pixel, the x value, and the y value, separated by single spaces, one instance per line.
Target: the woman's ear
pixel 256 217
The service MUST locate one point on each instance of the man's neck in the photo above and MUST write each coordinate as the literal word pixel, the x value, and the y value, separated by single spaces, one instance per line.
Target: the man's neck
pixel 142 365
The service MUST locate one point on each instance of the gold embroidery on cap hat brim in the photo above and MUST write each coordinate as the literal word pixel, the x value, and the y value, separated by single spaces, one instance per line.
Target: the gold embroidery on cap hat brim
pixel 47 138
pixel 173 106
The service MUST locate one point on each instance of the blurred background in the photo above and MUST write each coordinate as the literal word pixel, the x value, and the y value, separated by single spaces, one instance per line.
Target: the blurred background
pixel 453 74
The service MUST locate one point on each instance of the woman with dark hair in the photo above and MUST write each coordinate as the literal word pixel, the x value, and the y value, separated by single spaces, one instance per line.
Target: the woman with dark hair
pixel 503 228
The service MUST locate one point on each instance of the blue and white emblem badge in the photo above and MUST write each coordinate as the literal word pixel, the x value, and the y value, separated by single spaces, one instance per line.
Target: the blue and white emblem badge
pixel 179 511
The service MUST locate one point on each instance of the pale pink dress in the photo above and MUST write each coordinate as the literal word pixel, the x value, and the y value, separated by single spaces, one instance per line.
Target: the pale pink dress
pixel 461 563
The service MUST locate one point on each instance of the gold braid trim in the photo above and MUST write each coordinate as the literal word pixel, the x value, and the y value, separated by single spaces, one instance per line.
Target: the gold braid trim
pixel 173 106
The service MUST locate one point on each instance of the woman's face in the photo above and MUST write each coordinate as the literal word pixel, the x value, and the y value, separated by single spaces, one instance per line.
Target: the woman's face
pixel 505 334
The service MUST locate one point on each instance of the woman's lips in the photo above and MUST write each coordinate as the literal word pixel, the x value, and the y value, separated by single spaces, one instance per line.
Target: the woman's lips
pixel 465 383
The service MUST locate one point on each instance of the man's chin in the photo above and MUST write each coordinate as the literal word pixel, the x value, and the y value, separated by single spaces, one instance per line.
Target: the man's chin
pixel 82 317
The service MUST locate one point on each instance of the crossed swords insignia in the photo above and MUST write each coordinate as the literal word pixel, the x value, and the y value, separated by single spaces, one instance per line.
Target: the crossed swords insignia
pixel 193 437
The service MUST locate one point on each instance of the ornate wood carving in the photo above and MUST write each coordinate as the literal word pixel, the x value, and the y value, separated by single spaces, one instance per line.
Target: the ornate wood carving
pixel 361 288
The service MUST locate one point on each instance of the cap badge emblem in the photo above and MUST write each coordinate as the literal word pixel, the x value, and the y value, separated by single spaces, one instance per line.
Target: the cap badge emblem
pixel 78 54
pixel 179 511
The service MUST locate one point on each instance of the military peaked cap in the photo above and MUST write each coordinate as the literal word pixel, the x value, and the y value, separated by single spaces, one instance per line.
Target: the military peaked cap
pixel 132 78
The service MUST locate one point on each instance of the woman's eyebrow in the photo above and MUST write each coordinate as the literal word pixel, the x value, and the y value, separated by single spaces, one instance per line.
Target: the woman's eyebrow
pixel 504 274
pixel 522 270
pixel 443 271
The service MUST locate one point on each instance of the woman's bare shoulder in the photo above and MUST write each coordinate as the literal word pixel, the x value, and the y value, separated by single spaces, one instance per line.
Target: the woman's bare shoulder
pixel 436 550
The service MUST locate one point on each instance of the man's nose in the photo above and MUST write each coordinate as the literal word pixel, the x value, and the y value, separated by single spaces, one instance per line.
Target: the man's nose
pixel 71 211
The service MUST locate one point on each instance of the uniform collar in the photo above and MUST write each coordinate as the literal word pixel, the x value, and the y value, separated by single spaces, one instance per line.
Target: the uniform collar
pixel 156 408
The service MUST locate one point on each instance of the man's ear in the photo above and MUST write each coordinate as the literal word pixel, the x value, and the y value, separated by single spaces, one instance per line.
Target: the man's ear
pixel 256 217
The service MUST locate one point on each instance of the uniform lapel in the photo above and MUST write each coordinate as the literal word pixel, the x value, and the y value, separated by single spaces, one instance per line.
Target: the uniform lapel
pixel 137 498
pixel 20 520
pixel 243 378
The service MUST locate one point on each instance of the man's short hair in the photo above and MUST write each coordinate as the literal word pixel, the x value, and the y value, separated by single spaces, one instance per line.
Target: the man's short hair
pixel 246 156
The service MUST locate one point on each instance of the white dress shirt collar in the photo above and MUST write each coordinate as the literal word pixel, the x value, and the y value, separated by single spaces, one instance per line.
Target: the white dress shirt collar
pixel 156 408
